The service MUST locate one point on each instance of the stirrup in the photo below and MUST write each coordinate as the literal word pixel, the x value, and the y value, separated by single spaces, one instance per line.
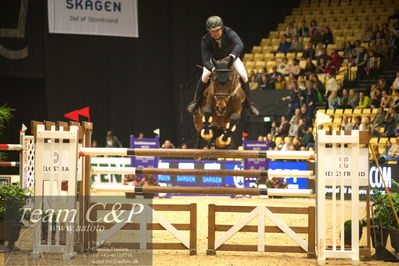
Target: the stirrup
pixel 191 107
pixel 253 110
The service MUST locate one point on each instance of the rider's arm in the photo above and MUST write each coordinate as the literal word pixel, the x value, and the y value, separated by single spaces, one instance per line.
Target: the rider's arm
pixel 236 40
pixel 206 54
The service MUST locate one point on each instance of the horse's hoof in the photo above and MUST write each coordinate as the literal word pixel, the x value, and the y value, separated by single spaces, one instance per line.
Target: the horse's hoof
pixel 221 143
pixel 207 137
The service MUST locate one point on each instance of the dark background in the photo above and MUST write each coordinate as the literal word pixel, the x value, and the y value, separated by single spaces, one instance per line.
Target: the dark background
pixel 132 85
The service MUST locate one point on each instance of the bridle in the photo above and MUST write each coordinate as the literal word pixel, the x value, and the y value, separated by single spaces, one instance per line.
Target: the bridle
pixel 225 95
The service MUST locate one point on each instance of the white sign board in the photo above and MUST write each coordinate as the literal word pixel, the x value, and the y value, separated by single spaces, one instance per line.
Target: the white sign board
pixel 93 17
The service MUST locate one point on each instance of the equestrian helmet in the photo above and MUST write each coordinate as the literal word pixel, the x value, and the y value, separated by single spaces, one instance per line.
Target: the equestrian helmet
pixel 213 23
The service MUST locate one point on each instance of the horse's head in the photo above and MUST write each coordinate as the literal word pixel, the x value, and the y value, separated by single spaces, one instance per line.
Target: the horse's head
pixel 222 81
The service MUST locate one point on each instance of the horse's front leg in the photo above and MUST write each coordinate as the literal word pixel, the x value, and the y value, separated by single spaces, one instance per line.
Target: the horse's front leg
pixel 225 138
pixel 206 131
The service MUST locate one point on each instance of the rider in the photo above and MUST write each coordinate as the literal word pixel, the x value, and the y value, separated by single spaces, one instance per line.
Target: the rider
pixel 218 43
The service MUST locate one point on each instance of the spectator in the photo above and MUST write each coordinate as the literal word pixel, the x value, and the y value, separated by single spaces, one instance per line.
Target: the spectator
pixel 390 123
pixel 313 26
pixel 112 141
pixel 364 100
pixel 309 67
pixel 303 31
pixel 309 52
pixel 272 77
pixel 301 83
pixel 377 121
pixel 347 49
pixel 183 146
pixel 319 51
pixel 296 45
pixel 306 116
pixel 331 84
pixel 284 46
pixel 361 63
pixel 94 143
pixel 291 31
pixel 301 124
pixel 395 83
pixel 310 98
pixel 317 84
pixel 321 66
pixel 327 36
pixel 387 151
pixel 366 125
pixel 287 144
pixel 395 101
pixel 344 99
pixel 357 49
pixel 316 37
pixel 297 114
pixel 167 145
pixel 384 50
pixel 280 83
pixel 274 129
pixel 333 100
pixel 330 68
pixel 353 98
pixel 386 99
pixel 296 141
pixel 294 68
pixel 346 125
pixel 307 139
pixel 264 84
pixel 283 66
pixel 395 48
pixel 371 65
pixel 269 141
pixel 294 98
pixel 253 84
pixel 336 59
pixel 261 72
pixel 283 128
pixel 356 123
pixel 366 34
pixel 376 98
pixel 260 138
pixel 382 84
pixel 140 135
pixel 294 127
pixel 372 46
pixel 373 89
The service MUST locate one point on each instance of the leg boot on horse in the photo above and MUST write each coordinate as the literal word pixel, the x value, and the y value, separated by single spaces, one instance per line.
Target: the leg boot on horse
pixel 198 97
pixel 248 104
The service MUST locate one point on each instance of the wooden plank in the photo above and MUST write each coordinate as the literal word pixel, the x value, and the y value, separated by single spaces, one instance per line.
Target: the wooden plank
pixel 228 234
pixel 261 229
pixel 156 207
pixel 165 223
pixel 268 229
pixel 152 226
pixel 280 249
pixel 280 223
pixel 130 245
pixel 193 229
pixel 211 229
pixel 283 210
pixel 312 232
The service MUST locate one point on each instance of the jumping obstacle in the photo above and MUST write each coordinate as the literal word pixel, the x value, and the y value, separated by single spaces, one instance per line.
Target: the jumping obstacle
pixel 144 225
pixel 9 164
pixel 337 140
pixel 261 212
pixel 201 172
pixel 203 190
pixel 195 153
pixel 26 150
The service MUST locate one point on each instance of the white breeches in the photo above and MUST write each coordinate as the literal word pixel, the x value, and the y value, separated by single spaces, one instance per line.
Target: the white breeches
pixel 238 66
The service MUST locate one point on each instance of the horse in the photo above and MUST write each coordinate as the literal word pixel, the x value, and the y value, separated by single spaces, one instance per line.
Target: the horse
pixel 219 113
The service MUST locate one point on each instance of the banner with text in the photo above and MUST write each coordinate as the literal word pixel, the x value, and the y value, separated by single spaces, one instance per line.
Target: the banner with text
pixel 94 17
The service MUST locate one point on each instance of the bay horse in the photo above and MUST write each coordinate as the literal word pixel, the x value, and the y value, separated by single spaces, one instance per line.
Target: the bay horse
pixel 218 115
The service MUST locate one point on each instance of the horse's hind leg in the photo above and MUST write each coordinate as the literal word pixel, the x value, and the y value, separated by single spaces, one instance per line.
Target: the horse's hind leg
pixel 206 131
pixel 225 138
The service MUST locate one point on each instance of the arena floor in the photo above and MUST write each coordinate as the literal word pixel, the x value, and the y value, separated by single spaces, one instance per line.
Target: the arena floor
pixel 168 257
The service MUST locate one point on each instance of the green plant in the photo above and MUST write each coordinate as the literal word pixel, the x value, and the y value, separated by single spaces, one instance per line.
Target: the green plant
pixel 348 228
pixel 383 213
pixel 12 199
pixel 275 182
pixel 149 180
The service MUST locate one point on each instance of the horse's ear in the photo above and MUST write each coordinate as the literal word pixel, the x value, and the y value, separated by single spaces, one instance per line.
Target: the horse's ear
pixel 213 62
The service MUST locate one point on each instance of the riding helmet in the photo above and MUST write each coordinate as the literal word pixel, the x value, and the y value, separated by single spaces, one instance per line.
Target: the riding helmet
pixel 213 23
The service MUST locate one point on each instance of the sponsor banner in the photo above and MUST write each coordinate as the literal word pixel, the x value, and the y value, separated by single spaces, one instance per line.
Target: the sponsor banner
pixel 93 17
pixel 144 161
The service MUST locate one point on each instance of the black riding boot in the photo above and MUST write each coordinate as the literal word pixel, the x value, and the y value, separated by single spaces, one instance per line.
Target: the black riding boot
pixel 248 104
pixel 199 94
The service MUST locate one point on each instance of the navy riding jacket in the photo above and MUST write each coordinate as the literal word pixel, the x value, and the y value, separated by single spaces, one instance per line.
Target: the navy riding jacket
pixel 231 44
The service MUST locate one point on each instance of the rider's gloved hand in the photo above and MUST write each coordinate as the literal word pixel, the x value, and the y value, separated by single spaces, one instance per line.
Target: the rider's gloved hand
pixel 231 60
